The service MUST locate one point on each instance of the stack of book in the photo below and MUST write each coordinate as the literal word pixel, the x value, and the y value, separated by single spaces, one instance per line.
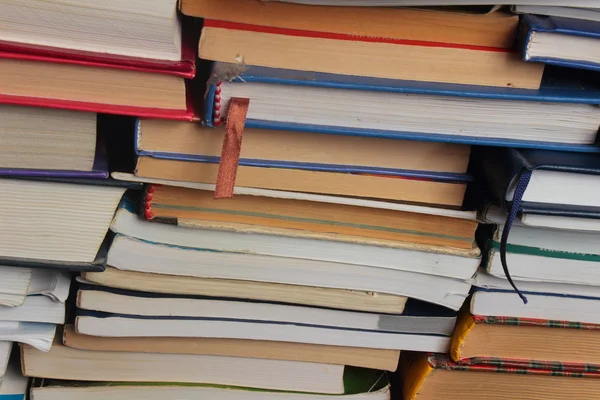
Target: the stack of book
pixel 61 65
pixel 530 328
pixel 299 218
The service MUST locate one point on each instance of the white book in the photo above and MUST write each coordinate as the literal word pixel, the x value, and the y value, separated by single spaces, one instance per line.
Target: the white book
pixel 535 268
pixel 136 327
pixel 136 28
pixel 420 318
pixel 422 113
pixel 89 391
pixel 46 138
pixel 589 14
pixel 51 221
pixel 5 350
pixel 36 308
pixel 17 283
pixel 486 281
pixel 62 362
pixel 53 284
pixel 14 385
pixel 34 334
pixel 495 215
pixel 14 285
pixel 539 306
pixel 131 254
pixel 432 260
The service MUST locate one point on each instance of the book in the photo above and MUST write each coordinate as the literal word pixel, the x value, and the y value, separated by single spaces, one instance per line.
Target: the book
pixel 14 285
pixel 13 385
pixel 435 376
pixel 329 183
pixel 281 194
pixel 588 14
pixel 38 138
pixel 542 265
pixel 497 29
pixel 400 109
pixel 367 56
pixel 254 214
pixel 415 258
pixel 421 3
pixel 485 340
pixel 306 151
pixel 418 317
pixel 5 350
pixel 491 213
pixel 484 280
pixel 129 253
pixel 124 325
pixel 556 183
pixel 62 362
pixel 244 289
pixel 565 42
pixel 55 224
pixel 356 388
pixel 35 334
pixel 27 79
pixel 546 306
pixel 379 359
pixel 35 308
pixel 149 30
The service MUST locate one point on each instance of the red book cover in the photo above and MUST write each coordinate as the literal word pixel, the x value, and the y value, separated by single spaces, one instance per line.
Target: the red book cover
pixel 188 114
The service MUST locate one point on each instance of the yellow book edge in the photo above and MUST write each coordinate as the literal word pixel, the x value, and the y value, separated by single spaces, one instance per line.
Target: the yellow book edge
pixel 473 251
pixel 464 325
pixel 415 376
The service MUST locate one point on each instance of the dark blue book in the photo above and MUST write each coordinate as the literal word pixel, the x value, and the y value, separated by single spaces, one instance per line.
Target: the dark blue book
pixel 565 42
pixel 425 111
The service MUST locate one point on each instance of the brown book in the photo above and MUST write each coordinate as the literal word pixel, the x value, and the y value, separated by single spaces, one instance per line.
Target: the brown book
pixel 433 377
pixel 91 88
pixel 198 208
pixel 415 60
pixel 157 135
pixel 260 291
pixel 352 356
pixel 497 29
pixel 478 339
pixel 391 188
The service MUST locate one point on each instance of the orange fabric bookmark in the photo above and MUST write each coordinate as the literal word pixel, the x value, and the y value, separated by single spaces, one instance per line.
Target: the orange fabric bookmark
pixel 232 146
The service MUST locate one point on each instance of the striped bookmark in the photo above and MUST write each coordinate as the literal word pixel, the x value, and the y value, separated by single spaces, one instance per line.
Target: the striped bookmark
pixel 232 146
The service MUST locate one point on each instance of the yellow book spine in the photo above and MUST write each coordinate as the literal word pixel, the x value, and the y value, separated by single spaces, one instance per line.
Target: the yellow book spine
pixel 415 375
pixel 464 325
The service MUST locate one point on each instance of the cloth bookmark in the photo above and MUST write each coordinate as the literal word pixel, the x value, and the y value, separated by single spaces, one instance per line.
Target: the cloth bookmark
pixel 232 146
pixel 512 214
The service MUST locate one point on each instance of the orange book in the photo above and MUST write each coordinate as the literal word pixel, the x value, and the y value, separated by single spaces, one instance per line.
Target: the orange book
pixel 497 29
pixel 191 207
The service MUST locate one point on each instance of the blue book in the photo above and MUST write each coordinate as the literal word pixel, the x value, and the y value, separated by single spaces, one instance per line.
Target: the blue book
pixel 565 42
pixel 387 108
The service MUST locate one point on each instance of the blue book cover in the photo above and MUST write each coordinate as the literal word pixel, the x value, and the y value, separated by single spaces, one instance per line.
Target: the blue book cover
pixel 533 24
pixel 557 87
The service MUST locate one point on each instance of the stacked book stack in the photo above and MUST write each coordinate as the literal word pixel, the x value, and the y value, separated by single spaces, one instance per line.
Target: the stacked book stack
pixel 530 329
pixel 61 65
pixel 299 199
